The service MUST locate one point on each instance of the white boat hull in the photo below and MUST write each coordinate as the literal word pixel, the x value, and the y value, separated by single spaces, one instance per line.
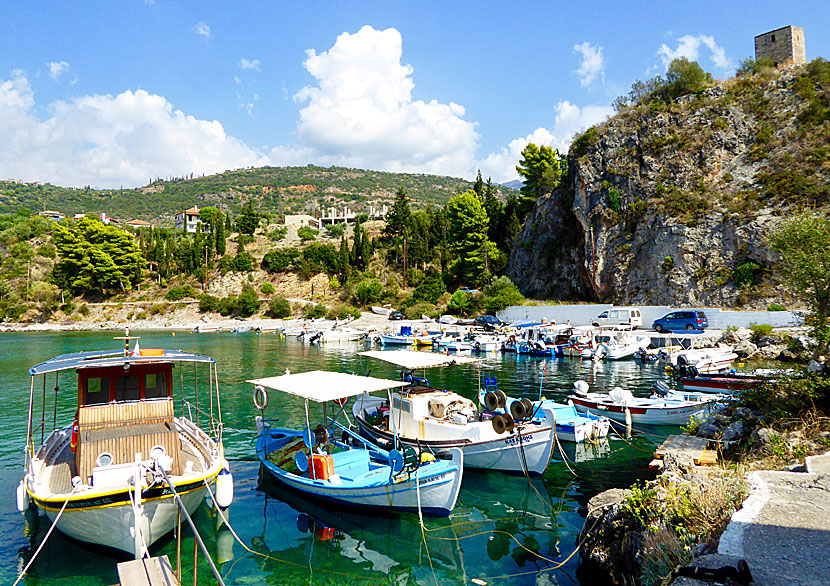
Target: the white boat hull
pixel 658 412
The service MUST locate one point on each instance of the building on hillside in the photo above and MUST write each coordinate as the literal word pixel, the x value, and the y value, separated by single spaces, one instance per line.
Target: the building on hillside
pixel 347 215
pixel 783 46
pixel 188 219
pixel 101 216
pixel 139 224
pixel 299 220
pixel 52 215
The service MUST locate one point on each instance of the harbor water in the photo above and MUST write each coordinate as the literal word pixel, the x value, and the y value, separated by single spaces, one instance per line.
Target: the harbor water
pixel 504 530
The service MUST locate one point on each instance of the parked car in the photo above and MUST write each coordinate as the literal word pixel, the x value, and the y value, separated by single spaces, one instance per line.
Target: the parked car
pixel 469 291
pixel 620 316
pixel 487 321
pixel 395 315
pixel 681 320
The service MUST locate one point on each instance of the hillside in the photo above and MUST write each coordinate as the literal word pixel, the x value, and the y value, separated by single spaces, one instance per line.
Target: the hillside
pixel 669 201
pixel 275 190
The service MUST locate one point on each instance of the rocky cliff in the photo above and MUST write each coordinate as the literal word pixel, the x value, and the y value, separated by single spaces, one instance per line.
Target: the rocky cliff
pixel 669 202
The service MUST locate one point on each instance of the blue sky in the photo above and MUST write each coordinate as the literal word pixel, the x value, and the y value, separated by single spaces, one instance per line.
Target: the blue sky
pixel 114 93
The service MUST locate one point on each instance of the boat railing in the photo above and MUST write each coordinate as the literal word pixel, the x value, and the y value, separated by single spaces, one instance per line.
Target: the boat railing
pixel 215 426
pixel 367 443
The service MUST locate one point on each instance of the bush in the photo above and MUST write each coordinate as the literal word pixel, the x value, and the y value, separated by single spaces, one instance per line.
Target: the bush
pixel 336 230
pixel 459 303
pixel 227 305
pixel 243 262
pixel 341 311
pixel 775 307
pixel 305 233
pixel 178 293
pixel 430 289
pixel 84 310
pixel 501 293
pixel 278 308
pixel 267 288
pixel 278 234
pixel 368 291
pixel 208 303
pixel 314 311
pixel 247 304
pixel 280 259
pixel 747 274
pixel 760 331
pixel 416 310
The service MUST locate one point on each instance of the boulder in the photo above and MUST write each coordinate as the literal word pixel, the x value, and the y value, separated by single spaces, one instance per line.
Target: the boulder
pixel 734 431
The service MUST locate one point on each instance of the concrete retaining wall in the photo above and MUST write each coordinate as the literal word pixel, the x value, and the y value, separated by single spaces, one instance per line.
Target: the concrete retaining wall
pixel 583 314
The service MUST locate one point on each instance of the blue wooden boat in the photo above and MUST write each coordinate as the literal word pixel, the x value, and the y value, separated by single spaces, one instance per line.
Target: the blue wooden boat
pixel 350 471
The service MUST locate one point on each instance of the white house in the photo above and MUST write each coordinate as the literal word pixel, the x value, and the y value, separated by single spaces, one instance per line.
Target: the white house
pixel 188 219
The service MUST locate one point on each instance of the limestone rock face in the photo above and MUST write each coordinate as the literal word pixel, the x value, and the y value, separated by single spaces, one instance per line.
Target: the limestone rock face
pixel 671 204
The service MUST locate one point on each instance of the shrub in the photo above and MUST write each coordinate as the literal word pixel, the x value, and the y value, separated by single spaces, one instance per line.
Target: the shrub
pixel 336 230
pixel 368 291
pixel 342 311
pixel 583 142
pixel 334 283
pixel 159 308
pixel 459 303
pixel 775 307
pixel 84 310
pixel 227 305
pixel 278 308
pixel 760 331
pixel 208 303
pixel 280 259
pixel 748 274
pixel 314 311
pixel 318 257
pixel 267 288
pixel 247 304
pixel 243 262
pixel 278 234
pixel 416 310
pixel 668 263
pixel 430 289
pixel 178 293
pixel 501 293
pixel 305 233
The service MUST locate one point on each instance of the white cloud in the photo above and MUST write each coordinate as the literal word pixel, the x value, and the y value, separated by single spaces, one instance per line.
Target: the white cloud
pixel 202 29
pixel 592 66
pixel 690 46
pixel 246 64
pixel 56 68
pixel 108 141
pixel 569 120
pixel 361 113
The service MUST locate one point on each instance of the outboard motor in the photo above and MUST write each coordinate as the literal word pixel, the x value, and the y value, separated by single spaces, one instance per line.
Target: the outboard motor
pixel 661 388
pixel 581 387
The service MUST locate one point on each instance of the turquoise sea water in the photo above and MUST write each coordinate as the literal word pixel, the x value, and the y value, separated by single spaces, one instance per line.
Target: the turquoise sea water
pixel 497 525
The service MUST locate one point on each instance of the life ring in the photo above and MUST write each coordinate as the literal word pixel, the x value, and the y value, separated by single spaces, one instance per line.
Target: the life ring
pixel 260 397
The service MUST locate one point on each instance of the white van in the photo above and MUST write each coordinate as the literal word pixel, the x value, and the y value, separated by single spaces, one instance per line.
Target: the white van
pixel 620 316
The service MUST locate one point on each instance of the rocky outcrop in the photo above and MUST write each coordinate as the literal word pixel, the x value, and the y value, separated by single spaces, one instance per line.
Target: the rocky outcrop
pixel 670 203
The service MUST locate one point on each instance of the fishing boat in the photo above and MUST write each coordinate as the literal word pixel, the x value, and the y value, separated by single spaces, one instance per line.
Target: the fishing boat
pixel 719 384
pixel 437 420
pixel 108 478
pixel 620 346
pixel 705 360
pixel 336 334
pixel 200 329
pixel 377 309
pixel 571 426
pixel 620 405
pixel 404 337
pixel 350 471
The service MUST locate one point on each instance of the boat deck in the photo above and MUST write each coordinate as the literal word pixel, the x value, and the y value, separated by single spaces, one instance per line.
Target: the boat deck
pixel 61 467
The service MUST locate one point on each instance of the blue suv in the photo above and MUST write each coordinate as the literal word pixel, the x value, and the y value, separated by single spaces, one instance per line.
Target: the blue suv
pixel 681 320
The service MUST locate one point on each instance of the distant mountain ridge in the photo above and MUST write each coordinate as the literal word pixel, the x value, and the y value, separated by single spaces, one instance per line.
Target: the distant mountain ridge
pixel 274 189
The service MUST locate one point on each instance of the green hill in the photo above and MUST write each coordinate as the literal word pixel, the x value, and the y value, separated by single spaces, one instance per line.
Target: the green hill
pixel 274 189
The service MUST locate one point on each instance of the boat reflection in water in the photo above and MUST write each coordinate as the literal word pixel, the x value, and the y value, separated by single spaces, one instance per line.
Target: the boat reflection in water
pixel 497 520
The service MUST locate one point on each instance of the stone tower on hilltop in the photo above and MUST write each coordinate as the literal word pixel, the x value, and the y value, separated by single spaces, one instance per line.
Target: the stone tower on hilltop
pixel 784 46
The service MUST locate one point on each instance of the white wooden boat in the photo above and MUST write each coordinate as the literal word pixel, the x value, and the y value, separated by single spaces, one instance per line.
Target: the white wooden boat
pixel 705 360
pixel 621 346
pixel 381 310
pixel 619 405
pixel 201 329
pixel 106 469
pixel 351 473
pixel 437 419
pixel 333 335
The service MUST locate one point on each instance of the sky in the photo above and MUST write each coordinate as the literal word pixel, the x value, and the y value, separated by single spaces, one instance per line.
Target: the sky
pixel 114 94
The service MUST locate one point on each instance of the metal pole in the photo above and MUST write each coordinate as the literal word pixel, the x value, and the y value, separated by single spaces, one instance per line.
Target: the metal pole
pixel 179 543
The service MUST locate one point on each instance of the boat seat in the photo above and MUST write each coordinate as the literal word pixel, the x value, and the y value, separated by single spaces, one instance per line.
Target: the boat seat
pixel 124 430
pixel 351 463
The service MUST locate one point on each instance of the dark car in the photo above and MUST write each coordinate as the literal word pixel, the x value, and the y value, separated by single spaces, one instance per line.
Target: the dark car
pixel 681 320
pixel 487 321
pixel 395 315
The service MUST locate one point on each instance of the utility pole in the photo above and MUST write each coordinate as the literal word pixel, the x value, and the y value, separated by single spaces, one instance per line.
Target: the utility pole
pixel 594 262
pixel 206 268
pixel 404 263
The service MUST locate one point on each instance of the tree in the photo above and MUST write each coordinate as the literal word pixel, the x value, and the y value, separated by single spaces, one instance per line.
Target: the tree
pixel 247 304
pixel 804 244
pixel 430 289
pixel 685 77
pixel 541 167
pixel 478 186
pixel 248 219
pixel 494 210
pixel 96 258
pixel 397 219
pixel 468 236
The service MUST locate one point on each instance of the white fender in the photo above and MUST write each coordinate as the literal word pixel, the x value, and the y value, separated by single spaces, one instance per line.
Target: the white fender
pixel 224 488
pixel 23 499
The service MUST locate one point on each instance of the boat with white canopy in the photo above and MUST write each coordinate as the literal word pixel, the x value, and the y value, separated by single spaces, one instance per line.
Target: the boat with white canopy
pixel 108 477
pixel 350 471
pixel 436 419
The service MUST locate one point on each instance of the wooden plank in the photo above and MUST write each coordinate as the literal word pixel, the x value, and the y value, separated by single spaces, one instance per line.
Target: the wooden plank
pixel 147 572
pixel 691 445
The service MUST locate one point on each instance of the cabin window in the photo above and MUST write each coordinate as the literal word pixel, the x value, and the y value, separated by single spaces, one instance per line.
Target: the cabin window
pixel 97 391
pixel 127 389
pixel 155 386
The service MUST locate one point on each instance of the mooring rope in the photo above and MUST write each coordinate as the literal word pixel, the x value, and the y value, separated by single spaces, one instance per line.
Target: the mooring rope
pixel 46 538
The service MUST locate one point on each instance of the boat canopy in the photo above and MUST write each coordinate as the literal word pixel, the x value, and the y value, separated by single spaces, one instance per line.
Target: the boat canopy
pixel 410 359
pixel 322 385
pixel 97 359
